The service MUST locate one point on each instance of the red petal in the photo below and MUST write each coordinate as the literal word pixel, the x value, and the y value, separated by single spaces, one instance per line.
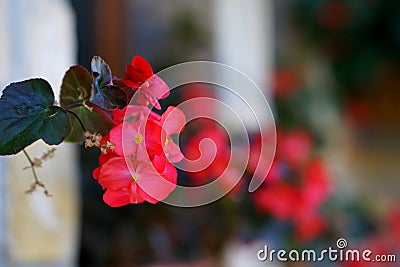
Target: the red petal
pixel 131 84
pixel 138 72
pixel 122 136
pixel 135 194
pixel 173 120
pixel 152 183
pixel 141 65
pixel 115 174
pixel 157 87
pixel 116 198
pixel 153 139
pixel 159 162
pixel 96 173
pixel 170 173
pixel 146 197
pixel 119 115
pixel 103 158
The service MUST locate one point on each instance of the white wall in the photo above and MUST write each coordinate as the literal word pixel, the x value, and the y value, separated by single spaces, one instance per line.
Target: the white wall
pixel 243 39
pixel 38 40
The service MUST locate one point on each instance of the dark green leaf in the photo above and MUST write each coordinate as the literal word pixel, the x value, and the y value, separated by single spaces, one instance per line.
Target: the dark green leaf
pixel 75 89
pixel 56 126
pixel 76 86
pixel 105 94
pixel 27 114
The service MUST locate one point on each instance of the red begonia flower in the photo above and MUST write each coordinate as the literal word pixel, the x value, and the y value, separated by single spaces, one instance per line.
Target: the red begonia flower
pixel 150 91
pixel 140 139
pixel 149 87
pixel 135 184
pixel 137 73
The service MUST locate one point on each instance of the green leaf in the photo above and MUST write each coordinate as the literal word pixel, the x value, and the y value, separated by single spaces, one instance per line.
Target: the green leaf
pixel 27 114
pixel 75 89
pixel 76 86
pixel 105 94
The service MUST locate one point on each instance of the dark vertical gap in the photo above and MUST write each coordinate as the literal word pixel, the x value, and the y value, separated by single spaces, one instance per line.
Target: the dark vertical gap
pixel 100 30
pixel 85 24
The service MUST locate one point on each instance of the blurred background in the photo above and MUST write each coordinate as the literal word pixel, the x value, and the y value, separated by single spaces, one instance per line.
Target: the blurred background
pixel 330 70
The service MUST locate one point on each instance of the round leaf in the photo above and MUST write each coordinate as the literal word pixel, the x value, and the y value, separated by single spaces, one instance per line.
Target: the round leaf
pixel 27 114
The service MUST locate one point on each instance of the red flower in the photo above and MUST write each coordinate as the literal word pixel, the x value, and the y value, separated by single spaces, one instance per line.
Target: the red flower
pixel 133 166
pixel 137 73
pixel 286 82
pixel 294 147
pixel 316 187
pixel 152 90
pixel 136 139
pixel 278 199
pixel 297 187
pixel 149 87
pixel 135 183
pixel 308 227
pixel 144 129
pixel 137 170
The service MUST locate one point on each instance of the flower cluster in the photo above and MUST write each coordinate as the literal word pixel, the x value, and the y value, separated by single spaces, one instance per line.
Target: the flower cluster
pixel 138 167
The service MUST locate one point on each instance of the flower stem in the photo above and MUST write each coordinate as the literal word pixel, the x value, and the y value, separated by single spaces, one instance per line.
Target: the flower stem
pixel 100 111
pixel 77 118
pixel 36 182
pixel 72 105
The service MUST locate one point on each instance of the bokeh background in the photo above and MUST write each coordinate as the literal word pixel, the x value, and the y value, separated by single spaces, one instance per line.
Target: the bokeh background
pixel 331 72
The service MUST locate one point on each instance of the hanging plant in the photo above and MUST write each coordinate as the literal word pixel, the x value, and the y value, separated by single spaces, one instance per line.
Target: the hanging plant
pixel 103 111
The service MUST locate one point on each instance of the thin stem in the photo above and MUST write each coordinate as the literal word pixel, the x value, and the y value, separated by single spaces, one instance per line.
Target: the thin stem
pixel 94 107
pixel 72 105
pixel 32 166
pixel 77 118
pixel 36 182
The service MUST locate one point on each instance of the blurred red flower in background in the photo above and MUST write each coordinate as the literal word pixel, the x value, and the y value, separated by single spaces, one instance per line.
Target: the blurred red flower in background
pixel 214 156
pixel 286 82
pixel 296 186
